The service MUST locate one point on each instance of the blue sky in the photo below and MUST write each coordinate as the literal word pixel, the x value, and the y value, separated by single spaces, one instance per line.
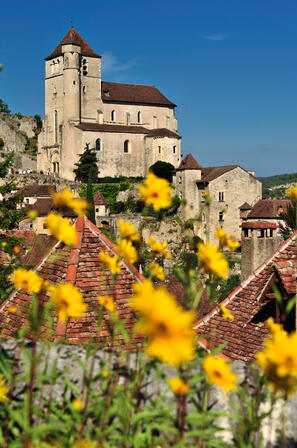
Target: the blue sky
pixel 229 65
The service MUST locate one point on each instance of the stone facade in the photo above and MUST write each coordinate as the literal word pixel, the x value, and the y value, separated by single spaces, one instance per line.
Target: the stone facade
pixel 131 126
pixel 228 186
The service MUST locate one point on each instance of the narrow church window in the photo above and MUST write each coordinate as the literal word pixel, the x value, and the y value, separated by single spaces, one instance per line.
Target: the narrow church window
pixel 126 146
pixel 167 122
pixel 159 148
pixel 221 216
pixel 98 144
pixel 221 196
pixel 174 149
pixel 139 117
pixel 112 117
pixel 56 125
pixel 84 89
pixel 127 118
pixel 155 122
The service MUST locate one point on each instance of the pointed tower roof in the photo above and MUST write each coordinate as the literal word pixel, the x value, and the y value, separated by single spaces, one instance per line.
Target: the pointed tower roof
pixel 189 163
pixel 81 266
pixel 99 198
pixel 73 37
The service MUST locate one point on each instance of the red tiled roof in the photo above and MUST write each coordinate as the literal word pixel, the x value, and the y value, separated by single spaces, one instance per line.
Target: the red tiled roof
pixel 81 266
pixel 96 127
pixel 163 132
pixel 133 93
pixel 73 37
pixel 245 206
pixel 212 172
pixel 43 206
pixel 269 208
pixel 189 163
pixel 99 198
pixel 36 190
pixel 251 304
pixel 259 225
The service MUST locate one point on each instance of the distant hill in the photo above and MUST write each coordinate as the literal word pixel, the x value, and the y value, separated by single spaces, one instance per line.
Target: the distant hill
pixel 274 187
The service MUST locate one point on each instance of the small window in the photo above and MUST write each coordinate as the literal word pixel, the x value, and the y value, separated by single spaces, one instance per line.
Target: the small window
pixel 174 149
pixel 126 146
pixel 179 179
pixel 221 216
pixel 98 144
pixel 97 210
pixel 27 200
pixel 139 117
pixel 113 115
pixel 159 149
pixel 221 196
pixel 155 122
pixel 246 233
pixel 84 89
pixel 31 226
pixel 167 122
pixel 44 226
pixel 261 233
pixel 128 118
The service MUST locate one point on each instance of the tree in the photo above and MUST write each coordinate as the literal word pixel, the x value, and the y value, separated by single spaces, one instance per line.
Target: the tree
pixel 4 107
pixel 38 121
pixel 163 170
pixel 90 199
pixel 290 220
pixel 87 162
pixel 6 163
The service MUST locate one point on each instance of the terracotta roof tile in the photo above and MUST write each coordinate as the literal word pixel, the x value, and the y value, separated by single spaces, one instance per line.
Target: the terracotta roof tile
pixel 259 225
pixel 133 93
pixel 96 127
pixel 268 208
pixel 189 163
pixel 212 172
pixel 43 206
pixel 251 304
pixel 36 190
pixel 163 132
pixel 245 206
pixel 73 37
pixel 81 266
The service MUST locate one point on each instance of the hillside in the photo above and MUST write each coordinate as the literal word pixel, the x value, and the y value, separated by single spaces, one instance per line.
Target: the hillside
pixel 274 187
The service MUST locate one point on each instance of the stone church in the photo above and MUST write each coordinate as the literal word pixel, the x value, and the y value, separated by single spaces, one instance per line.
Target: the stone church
pixel 131 126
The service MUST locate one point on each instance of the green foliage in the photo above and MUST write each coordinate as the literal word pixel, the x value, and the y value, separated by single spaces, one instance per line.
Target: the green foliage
pixel 225 287
pixel 119 179
pixel 31 146
pixel 87 162
pixel 274 187
pixel 18 115
pixel 6 161
pixel 289 218
pixel 90 199
pixel 4 107
pixel 38 121
pixel 109 191
pixel 163 170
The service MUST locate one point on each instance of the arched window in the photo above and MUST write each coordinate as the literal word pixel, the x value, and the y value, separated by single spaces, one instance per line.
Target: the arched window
pixel 126 146
pixel 128 118
pixel 98 144
pixel 139 117
pixel 174 149
pixel 113 115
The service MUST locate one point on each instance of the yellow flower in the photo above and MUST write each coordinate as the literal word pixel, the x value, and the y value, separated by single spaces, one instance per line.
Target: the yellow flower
pixel 178 386
pixel 127 250
pixel 105 373
pixel 159 248
pixel 32 214
pixel 225 312
pixel 3 243
pixel 77 404
pixel 278 359
pixel 68 300
pixel 27 280
pixel 157 271
pixel 156 192
pixel 108 303
pixel 207 197
pixel 212 259
pixel 3 389
pixel 65 199
pixel 168 327
pixel 61 228
pixel 219 372
pixel 291 192
pixel 225 240
pixel 84 443
pixel 127 230
pixel 12 309
pixel 112 263
pixel 16 250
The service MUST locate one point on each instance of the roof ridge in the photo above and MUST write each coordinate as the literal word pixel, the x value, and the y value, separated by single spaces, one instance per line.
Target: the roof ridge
pixel 130 84
pixel 251 277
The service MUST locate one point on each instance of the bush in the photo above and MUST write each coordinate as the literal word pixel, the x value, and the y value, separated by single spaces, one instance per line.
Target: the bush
pixel 163 170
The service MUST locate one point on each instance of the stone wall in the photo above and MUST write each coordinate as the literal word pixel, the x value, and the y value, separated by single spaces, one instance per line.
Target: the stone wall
pixel 14 131
pixel 24 162
pixel 69 360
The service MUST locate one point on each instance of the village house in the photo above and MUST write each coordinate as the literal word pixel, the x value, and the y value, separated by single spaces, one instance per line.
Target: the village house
pixel 228 186
pixel 131 126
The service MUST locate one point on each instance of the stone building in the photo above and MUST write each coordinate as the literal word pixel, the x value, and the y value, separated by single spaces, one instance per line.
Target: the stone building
pixel 131 126
pixel 228 186
pixel 260 233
